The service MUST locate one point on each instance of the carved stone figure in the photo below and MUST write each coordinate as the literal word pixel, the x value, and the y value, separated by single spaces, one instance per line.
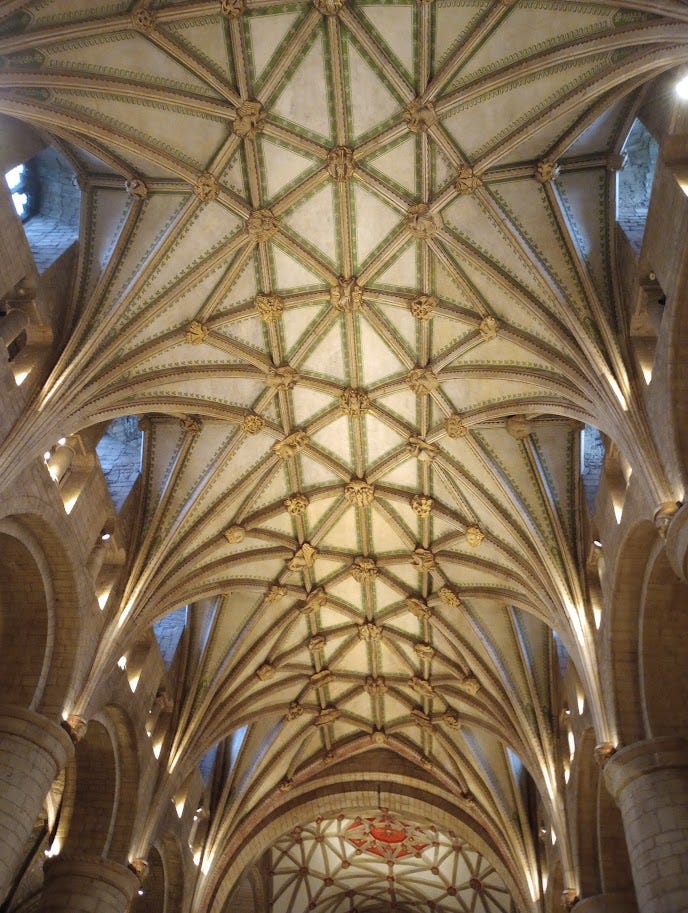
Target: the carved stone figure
pixel 235 534
pixel 467 181
pixel 422 381
pixel 421 505
pixel 455 427
pixel 518 427
pixel 269 307
pixel 265 672
pixel 206 187
pixel 474 536
pixel 354 401
pixel 196 333
pixel 304 557
pixel 328 7
pixel 359 492
pixel 546 172
pixel 363 569
pixel 189 424
pixel 420 116
pixel 425 651
pixel 423 559
pixel 375 685
pixel 250 117
pixel 296 504
pixel 422 306
pixel 449 597
pixel 423 451
pixel 488 328
pixel 284 377
pixel 422 686
pixel 232 9
pixel 275 593
pixel 262 224
pixel 422 222
pixel 341 163
pixel 369 631
pixel 418 608
pixel 346 295
pixel 135 187
pixel 252 424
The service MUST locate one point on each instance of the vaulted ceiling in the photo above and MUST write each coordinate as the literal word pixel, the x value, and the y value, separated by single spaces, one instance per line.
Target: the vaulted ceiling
pixel 352 260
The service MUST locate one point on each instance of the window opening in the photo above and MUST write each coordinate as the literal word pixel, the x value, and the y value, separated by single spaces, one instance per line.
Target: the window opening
pixel 634 183
pixel 119 451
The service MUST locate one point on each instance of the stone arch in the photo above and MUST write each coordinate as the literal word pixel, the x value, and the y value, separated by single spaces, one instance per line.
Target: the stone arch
pixel 663 639
pixel 614 865
pixel 90 795
pixel 126 755
pixel 26 607
pixel 152 895
pixel 586 784
pixel 381 781
pixel 39 532
pixel 621 633
pixel 170 852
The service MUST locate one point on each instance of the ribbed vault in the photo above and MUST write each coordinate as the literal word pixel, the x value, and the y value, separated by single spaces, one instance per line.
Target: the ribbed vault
pixel 350 262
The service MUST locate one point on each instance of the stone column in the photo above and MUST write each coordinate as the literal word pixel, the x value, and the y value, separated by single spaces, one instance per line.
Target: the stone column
pixel 33 750
pixel 649 781
pixel 607 903
pixel 84 884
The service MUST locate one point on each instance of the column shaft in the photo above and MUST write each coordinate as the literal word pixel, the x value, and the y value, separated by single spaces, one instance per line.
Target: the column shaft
pixel 77 884
pixel 607 903
pixel 33 750
pixel 649 781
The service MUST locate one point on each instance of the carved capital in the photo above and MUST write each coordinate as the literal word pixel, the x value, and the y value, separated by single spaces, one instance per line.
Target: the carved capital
pixel 664 515
pixel 569 899
pixel 296 504
pixel 359 492
pixel 252 424
pixel 467 181
pixel 196 333
pixel 422 306
pixel 269 307
pixel 420 116
pixel 421 505
pixel 422 381
pixel 261 224
pixel 341 163
pixel 206 187
pixel 422 222
pixel 347 295
pixel 603 752
pixel 75 727
pixel 354 401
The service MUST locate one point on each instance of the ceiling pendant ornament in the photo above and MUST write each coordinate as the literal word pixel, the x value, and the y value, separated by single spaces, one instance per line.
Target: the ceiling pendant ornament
pixel 346 296
pixel 290 446
pixel 420 116
pixel 261 225
pixel 370 631
pixel 303 557
pixel 269 307
pixel 375 685
pixel 190 425
pixel 422 222
pixel 143 18
pixel 286 785
pixel 518 427
pixel 449 597
pixel 196 333
pixel 488 328
pixel 467 181
pixel 275 593
pixel 317 643
pixel 455 427
pixel 315 600
pixel 235 534
pixel 451 720
pixel 421 719
pixel 341 163
pixel 232 9
pixel 296 505
pixel 206 187
pixel 327 716
pixel 422 686
pixel 423 306
pixel 354 401
pixel 423 560
pixel 422 381
pixel 569 899
pixel 322 678
pixel 378 737
pixel 328 7
pixel 294 712
pixel 546 171
pixel 359 493
pixel 265 672
pixel 421 505
pixel 474 536
pixel 422 450
pixel 252 424
pixel 470 683
pixel 363 569
pixel 249 119
pixel 424 650
pixel 418 608
pixel 284 377
pixel 135 187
